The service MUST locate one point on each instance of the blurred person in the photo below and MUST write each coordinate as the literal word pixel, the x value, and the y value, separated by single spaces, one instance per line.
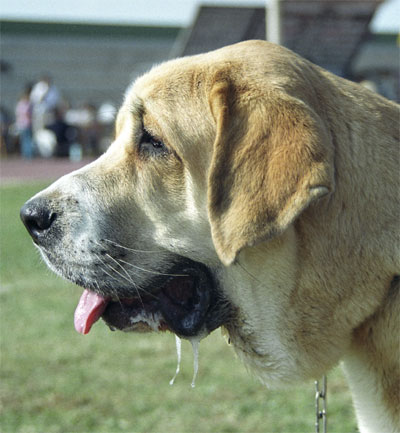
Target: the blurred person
pixel 107 113
pixel 85 119
pixel 45 98
pixel 106 116
pixel 23 123
pixel 5 122
pixel 91 131
pixel 65 133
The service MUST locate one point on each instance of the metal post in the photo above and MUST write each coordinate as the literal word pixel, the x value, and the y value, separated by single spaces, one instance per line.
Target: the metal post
pixel 321 394
pixel 273 21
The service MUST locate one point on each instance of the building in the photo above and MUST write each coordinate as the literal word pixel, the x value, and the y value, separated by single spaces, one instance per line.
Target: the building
pixel 88 63
pixel 94 63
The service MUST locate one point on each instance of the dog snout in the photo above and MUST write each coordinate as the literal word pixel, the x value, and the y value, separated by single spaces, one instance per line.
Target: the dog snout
pixel 38 217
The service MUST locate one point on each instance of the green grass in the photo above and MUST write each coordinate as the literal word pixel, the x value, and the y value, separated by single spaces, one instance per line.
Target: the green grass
pixel 55 380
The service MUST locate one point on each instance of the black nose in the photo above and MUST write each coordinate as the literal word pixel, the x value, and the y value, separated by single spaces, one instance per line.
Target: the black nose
pixel 37 217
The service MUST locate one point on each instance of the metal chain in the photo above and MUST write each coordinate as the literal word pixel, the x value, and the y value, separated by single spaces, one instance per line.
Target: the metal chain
pixel 320 415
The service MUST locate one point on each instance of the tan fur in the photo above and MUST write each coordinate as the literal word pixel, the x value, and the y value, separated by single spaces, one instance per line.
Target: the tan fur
pixel 283 178
pixel 281 145
pixel 297 145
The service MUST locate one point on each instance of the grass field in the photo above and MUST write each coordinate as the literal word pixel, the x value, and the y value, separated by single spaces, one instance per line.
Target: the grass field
pixel 54 380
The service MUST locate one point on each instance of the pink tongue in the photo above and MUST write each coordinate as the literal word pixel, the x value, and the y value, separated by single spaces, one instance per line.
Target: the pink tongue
pixel 91 306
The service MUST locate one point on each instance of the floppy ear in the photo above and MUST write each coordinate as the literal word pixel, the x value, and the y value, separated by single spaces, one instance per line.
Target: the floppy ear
pixel 272 157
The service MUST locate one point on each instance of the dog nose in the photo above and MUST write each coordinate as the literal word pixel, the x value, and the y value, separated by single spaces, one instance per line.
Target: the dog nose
pixel 37 217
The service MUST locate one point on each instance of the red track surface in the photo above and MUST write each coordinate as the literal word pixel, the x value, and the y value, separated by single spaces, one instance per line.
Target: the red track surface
pixel 20 170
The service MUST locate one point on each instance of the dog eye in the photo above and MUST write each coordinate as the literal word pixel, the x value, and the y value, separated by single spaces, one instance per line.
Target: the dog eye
pixel 151 146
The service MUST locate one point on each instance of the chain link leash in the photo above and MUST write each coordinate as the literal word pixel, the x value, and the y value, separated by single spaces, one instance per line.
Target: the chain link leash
pixel 320 399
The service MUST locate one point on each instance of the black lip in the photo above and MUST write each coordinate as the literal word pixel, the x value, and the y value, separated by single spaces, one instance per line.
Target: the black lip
pixel 187 305
pixel 120 316
pixel 187 318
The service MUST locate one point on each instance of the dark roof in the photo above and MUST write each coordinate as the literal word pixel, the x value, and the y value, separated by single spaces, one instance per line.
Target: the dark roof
pixel 216 27
pixel 327 32
pixel 42 28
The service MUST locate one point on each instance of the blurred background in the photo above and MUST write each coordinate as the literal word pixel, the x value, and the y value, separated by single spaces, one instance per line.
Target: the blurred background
pixel 64 68
pixel 65 65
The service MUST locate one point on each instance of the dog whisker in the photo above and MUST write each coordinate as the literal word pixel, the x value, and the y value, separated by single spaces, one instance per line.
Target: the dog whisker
pixel 152 272
pixel 129 279
pixel 116 271
pixel 138 267
pixel 109 266
pixel 250 274
pixel 131 249
pixel 118 264
pixel 113 291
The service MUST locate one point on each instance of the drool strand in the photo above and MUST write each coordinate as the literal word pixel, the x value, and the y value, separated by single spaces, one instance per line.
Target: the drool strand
pixel 195 346
pixel 178 343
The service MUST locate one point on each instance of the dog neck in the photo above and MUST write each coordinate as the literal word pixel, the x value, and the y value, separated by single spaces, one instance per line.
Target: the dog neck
pixel 372 368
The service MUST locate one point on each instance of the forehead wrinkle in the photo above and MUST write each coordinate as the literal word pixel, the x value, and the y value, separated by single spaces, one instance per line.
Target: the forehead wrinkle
pixel 136 106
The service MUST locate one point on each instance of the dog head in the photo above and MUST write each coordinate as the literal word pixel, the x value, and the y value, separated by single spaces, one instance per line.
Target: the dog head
pixel 187 221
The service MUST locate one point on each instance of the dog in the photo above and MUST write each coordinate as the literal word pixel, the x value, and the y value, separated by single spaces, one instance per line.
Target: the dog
pixel 251 190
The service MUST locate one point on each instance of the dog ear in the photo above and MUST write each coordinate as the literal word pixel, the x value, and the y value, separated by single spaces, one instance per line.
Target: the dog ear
pixel 271 158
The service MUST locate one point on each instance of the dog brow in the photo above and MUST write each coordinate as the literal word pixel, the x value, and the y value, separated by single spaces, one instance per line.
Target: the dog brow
pixel 136 107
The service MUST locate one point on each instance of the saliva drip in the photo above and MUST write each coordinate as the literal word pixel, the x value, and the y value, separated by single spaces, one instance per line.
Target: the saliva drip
pixel 178 342
pixel 195 346
pixel 195 342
